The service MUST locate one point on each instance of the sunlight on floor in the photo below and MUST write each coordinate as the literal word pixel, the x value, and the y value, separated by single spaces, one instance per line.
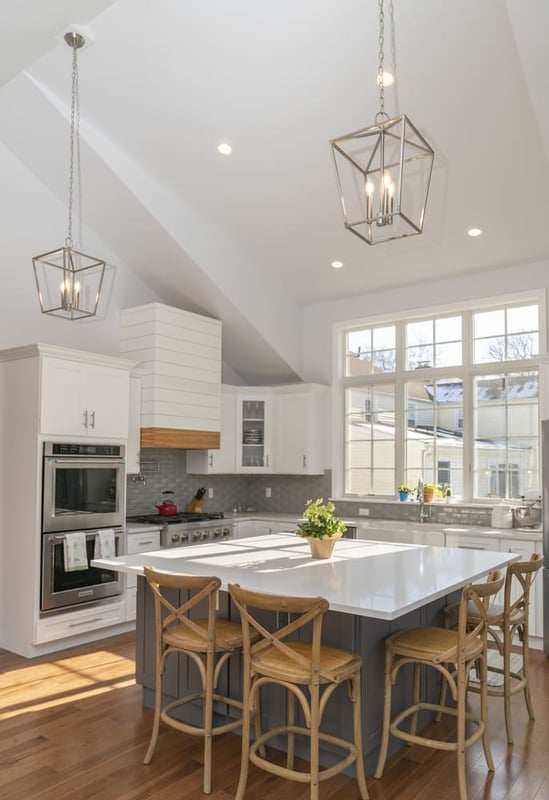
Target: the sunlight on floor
pixel 43 686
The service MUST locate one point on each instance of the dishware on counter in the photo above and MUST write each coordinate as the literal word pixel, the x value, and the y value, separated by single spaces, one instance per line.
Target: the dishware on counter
pixel 527 515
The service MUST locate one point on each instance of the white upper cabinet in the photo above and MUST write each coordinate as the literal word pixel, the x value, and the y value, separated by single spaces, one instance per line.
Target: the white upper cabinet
pixel 267 430
pixel 222 461
pixel 84 397
pixel 299 425
pixel 253 433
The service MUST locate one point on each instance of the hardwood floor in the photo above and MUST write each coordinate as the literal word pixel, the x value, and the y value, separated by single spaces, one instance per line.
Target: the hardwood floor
pixel 73 728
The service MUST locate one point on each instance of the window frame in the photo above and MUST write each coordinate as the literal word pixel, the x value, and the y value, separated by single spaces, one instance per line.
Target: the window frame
pixel 467 371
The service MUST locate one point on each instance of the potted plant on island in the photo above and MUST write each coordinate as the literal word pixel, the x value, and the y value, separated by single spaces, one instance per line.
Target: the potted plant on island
pixel 321 528
pixel 403 492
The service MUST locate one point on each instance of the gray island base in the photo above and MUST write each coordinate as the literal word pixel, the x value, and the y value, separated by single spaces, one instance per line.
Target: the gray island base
pixel 373 588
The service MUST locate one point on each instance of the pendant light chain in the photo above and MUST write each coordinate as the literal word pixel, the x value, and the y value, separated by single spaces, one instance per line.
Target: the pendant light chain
pixel 75 124
pixel 381 43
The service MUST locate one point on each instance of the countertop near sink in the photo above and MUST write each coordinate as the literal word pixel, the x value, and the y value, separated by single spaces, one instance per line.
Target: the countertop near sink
pixel 529 534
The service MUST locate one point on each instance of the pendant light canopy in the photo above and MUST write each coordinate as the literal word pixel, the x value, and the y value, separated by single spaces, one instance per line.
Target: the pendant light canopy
pixel 68 281
pixel 383 172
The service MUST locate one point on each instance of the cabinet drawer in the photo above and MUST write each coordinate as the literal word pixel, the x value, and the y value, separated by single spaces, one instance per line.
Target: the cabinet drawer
pixel 142 542
pixel 74 623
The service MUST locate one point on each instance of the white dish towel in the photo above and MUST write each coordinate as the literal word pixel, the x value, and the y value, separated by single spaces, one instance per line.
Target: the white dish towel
pixel 104 544
pixel 74 551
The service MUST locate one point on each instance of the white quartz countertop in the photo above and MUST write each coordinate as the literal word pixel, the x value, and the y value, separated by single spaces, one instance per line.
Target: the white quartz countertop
pixel 372 579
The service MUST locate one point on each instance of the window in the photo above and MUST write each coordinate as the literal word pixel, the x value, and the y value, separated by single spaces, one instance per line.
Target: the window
pixel 451 398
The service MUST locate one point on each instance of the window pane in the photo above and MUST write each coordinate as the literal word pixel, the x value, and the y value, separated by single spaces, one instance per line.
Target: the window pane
pixel 370 439
pixel 489 323
pixel 506 457
pixel 489 350
pixel 522 345
pixel 370 350
pixel 524 318
pixel 419 333
pixel 434 415
pixel 448 329
pixel 448 355
pixel 420 357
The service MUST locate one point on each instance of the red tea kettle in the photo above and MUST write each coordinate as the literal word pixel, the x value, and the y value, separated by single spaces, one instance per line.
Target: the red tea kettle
pixel 167 508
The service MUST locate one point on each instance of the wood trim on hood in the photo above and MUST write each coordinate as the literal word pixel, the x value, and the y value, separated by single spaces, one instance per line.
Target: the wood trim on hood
pixel 180 439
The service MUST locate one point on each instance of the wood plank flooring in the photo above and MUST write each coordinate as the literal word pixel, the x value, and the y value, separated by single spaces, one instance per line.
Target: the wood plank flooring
pixel 72 728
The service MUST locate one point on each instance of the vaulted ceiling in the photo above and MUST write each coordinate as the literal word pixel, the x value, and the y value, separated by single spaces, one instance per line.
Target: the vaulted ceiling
pixel 250 237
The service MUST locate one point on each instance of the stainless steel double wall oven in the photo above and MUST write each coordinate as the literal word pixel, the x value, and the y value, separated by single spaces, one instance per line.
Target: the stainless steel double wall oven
pixel 83 489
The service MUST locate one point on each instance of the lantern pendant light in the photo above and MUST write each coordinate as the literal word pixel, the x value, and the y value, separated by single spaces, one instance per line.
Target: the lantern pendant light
pixel 383 172
pixel 68 281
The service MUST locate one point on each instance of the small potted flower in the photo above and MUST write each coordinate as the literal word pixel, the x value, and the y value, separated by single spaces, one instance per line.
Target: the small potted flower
pixel 404 492
pixel 430 491
pixel 321 528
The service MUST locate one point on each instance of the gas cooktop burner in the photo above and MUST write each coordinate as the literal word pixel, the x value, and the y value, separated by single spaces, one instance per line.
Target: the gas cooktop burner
pixel 176 519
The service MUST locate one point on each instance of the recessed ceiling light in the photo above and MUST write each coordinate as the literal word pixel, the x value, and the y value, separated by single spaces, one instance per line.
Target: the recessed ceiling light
pixel 474 232
pixel 337 264
pixel 225 149
pixel 388 79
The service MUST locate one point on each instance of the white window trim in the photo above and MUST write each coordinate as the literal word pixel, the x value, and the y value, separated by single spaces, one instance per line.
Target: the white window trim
pixel 468 368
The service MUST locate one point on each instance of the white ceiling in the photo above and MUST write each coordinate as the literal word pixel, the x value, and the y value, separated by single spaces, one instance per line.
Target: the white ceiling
pixel 250 237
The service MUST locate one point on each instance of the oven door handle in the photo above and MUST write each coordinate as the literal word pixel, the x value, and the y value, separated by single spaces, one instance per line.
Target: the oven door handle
pixel 88 462
pixel 60 537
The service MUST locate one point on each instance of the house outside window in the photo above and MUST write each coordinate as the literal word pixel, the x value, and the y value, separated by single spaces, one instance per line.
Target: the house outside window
pixel 448 397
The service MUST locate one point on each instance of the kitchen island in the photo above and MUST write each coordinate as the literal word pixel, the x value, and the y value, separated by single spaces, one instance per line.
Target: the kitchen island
pixel 373 588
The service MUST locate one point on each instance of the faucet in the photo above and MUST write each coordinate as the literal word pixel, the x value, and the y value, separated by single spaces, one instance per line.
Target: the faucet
pixel 423 512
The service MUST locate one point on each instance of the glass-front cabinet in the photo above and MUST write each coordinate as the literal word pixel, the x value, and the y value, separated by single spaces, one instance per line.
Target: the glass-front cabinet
pixel 253 434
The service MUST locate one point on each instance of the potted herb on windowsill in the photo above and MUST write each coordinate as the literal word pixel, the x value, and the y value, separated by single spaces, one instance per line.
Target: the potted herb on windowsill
pixel 321 528
pixel 403 492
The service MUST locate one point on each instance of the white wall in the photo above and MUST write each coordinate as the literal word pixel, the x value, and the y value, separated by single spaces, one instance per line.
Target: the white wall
pixel 33 221
pixel 319 319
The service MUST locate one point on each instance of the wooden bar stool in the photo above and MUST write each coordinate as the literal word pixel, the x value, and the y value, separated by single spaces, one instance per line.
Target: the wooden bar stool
pixel 452 653
pixel 208 641
pixel 504 623
pixel 310 673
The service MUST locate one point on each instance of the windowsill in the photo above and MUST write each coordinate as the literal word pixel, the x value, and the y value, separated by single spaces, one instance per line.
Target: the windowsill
pixel 478 504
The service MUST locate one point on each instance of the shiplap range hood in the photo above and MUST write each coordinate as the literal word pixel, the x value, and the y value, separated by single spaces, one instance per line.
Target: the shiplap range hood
pixel 179 356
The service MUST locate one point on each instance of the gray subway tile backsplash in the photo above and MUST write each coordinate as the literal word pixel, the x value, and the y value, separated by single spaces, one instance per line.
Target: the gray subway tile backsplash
pixel 289 493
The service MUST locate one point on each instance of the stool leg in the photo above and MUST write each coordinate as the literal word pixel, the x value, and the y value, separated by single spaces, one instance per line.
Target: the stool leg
pixel 314 690
pixel 357 734
pixel 247 700
pixel 460 739
pixel 208 723
pixel 290 721
pixel 526 672
pixel 386 715
pixel 157 710
pixel 415 699
pixel 484 711
pixel 507 684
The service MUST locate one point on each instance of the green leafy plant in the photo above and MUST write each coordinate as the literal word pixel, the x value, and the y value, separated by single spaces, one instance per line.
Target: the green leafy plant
pixel 435 487
pixel 404 488
pixel 320 522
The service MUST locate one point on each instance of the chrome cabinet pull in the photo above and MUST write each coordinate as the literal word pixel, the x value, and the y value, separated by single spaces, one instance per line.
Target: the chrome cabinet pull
pixel 92 415
pixel 84 622
pixel 304 462
pixel 85 420
pixel 211 460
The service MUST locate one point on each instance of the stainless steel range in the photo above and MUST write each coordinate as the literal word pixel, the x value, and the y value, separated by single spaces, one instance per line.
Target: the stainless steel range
pixel 186 528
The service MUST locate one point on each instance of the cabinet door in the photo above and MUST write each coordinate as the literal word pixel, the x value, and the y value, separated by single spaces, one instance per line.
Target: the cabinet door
pixel 62 412
pixel 134 428
pixel 106 395
pixel 471 542
pixel 299 428
pixel 245 528
pixel 253 434
pixel 222 461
